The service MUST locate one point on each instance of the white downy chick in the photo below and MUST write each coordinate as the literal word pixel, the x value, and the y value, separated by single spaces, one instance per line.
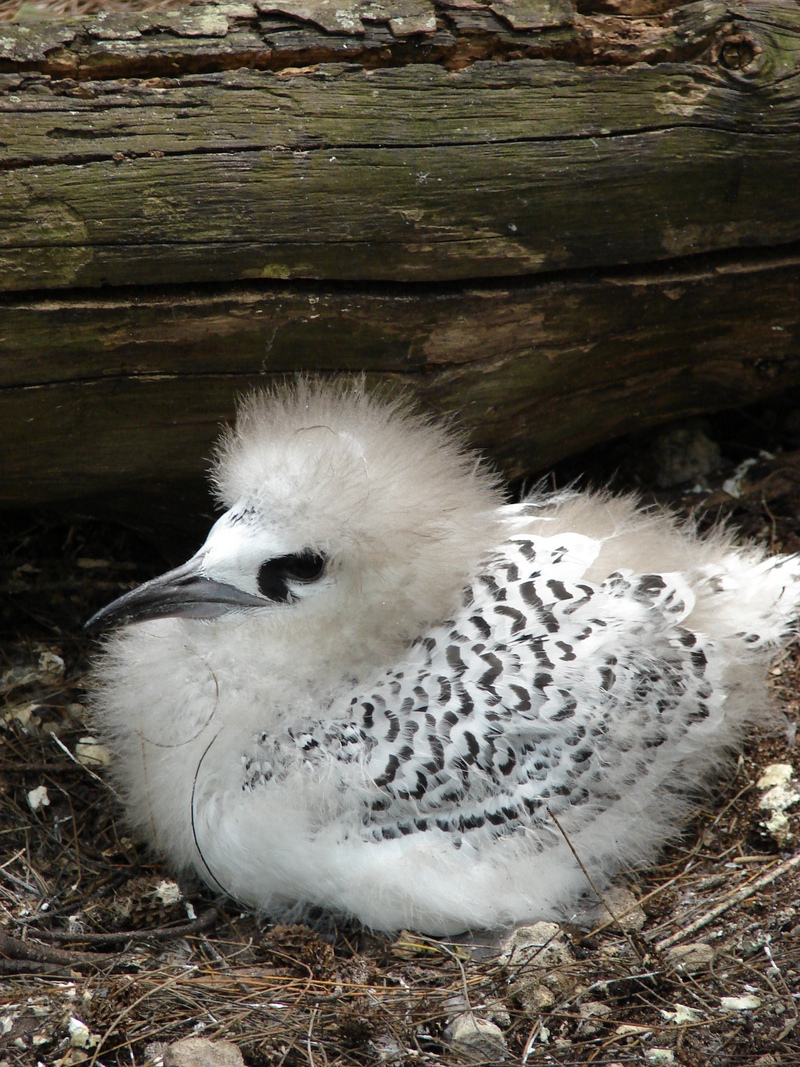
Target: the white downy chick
pixel 375 684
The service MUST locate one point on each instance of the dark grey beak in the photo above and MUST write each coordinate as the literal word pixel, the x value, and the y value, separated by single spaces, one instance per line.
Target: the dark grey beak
pixel 183 592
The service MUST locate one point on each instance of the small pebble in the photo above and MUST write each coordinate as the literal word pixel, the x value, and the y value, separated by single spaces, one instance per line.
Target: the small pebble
pixel 659 1057
pixel 626 908
pixel 200 1052
pixel 38 798
pixel 168 892
pixel 540 945
pixel 775 774
pixel 475 1038
pixel 746 1003
pixel 692 958
pixel 79 1034
pixel 90 753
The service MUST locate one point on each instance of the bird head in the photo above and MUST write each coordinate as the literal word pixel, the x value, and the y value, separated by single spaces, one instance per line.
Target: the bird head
pixel 333 499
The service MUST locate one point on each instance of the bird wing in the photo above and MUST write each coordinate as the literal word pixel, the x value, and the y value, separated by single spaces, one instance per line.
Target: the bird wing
pixel 546 691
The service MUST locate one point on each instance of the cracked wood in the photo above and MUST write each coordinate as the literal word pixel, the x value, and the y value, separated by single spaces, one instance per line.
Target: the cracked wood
pixel 564 220
pixel 132 153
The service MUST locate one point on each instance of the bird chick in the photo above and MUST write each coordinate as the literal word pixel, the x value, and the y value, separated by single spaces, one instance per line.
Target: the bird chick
pixel 375 684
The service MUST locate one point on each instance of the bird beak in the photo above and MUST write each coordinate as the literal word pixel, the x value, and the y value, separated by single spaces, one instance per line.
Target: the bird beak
pixel 183 592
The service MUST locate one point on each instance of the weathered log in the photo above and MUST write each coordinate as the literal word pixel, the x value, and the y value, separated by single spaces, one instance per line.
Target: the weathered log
pixel 563 222
pixel 144 150
pixel 510 359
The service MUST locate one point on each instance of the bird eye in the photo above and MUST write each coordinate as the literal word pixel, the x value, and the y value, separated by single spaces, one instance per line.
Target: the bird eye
pixel 275 574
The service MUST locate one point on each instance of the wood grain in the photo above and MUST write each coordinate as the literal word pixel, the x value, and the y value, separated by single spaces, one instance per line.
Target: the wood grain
pixel 559 221
pixel 105 393
pixel 114 173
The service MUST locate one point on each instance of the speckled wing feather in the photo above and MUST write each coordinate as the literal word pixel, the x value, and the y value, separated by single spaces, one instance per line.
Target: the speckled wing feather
pixel 545 691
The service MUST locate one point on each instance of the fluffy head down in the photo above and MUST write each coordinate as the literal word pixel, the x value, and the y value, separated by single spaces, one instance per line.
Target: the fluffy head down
pixel 394 500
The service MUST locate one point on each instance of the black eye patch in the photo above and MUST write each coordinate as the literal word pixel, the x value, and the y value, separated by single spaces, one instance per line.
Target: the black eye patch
pixel 274 575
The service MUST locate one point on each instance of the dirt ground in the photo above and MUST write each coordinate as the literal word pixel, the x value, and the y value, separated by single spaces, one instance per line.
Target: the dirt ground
pixel 106 961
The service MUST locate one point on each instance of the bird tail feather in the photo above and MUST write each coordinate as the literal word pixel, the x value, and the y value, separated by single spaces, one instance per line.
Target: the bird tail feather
pixel 756 601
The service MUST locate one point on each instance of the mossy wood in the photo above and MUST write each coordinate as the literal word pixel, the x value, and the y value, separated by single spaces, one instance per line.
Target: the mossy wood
pixel 561 221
